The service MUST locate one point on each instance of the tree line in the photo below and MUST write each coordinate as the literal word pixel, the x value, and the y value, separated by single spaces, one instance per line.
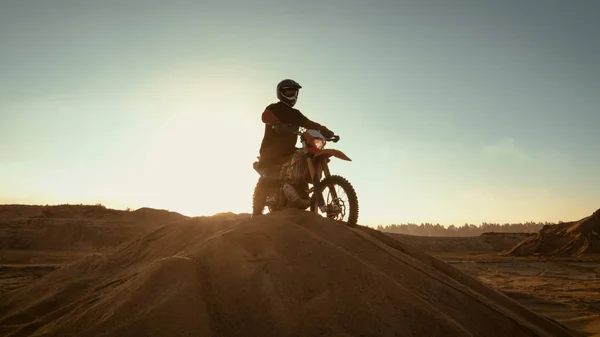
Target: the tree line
pixel 428 229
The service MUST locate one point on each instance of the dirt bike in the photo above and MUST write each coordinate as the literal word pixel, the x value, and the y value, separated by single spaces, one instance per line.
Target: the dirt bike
pixel 269 193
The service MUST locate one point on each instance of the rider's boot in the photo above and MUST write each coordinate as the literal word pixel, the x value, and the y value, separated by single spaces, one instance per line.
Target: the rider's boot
pixel 295 199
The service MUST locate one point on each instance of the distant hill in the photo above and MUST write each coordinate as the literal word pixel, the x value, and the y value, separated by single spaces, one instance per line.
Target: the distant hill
pixel 75 227
pixel 564 239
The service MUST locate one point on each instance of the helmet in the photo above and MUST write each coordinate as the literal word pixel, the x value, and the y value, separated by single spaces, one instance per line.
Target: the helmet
pixel 290 96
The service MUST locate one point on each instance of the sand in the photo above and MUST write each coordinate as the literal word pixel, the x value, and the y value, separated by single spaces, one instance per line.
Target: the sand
pixel 565 239
pixel 447 247
pixel 564 288
pixel 287 274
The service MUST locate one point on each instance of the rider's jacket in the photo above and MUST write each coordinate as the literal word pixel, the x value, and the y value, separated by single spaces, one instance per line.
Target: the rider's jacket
pixel 275 146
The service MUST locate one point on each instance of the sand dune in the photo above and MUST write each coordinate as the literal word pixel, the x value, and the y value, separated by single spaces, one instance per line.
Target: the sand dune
pixel 75 227
pixel 285 274
pixel 471 245
pixel 564 239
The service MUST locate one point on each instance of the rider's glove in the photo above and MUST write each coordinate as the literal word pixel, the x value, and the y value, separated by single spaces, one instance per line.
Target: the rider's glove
pixel 327 133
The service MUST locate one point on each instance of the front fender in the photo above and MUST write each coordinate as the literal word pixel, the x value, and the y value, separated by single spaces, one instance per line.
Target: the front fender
pixel 326 153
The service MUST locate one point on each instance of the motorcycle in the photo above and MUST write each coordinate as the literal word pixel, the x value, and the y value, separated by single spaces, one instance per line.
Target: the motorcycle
pixel 269 193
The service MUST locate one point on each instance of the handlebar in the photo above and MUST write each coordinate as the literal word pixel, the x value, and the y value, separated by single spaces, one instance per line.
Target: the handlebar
pixel 334 139
pixel 285 128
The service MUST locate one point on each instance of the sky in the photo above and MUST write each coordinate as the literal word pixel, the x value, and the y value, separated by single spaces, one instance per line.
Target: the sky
pixel 452 111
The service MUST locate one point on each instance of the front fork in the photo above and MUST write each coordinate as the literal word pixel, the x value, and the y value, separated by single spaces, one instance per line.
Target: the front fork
pixel 316 172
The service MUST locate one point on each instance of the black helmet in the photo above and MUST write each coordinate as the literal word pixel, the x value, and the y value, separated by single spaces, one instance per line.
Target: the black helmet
pixel 290 97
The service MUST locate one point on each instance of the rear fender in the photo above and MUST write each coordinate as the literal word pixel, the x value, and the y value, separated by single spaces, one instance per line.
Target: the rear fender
pixel 326 153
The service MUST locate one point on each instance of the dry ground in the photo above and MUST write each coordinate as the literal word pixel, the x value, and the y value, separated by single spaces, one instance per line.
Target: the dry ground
pixel 566 289
pixel 67 272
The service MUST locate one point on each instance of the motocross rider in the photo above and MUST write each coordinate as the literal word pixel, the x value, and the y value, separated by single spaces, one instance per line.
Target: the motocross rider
pixel 278 152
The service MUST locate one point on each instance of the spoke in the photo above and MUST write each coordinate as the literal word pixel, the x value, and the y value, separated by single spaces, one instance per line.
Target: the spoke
pixel 338 202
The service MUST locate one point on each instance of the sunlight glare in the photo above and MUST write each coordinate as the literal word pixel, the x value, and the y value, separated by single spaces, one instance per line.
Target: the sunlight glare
pixel 201 159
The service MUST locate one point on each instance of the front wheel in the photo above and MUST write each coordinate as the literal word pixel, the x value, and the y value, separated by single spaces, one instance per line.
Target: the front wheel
pixel 340 203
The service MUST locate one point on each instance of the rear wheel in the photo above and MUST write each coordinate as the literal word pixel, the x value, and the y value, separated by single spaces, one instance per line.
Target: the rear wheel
pixel 258 199
pixel 340 200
